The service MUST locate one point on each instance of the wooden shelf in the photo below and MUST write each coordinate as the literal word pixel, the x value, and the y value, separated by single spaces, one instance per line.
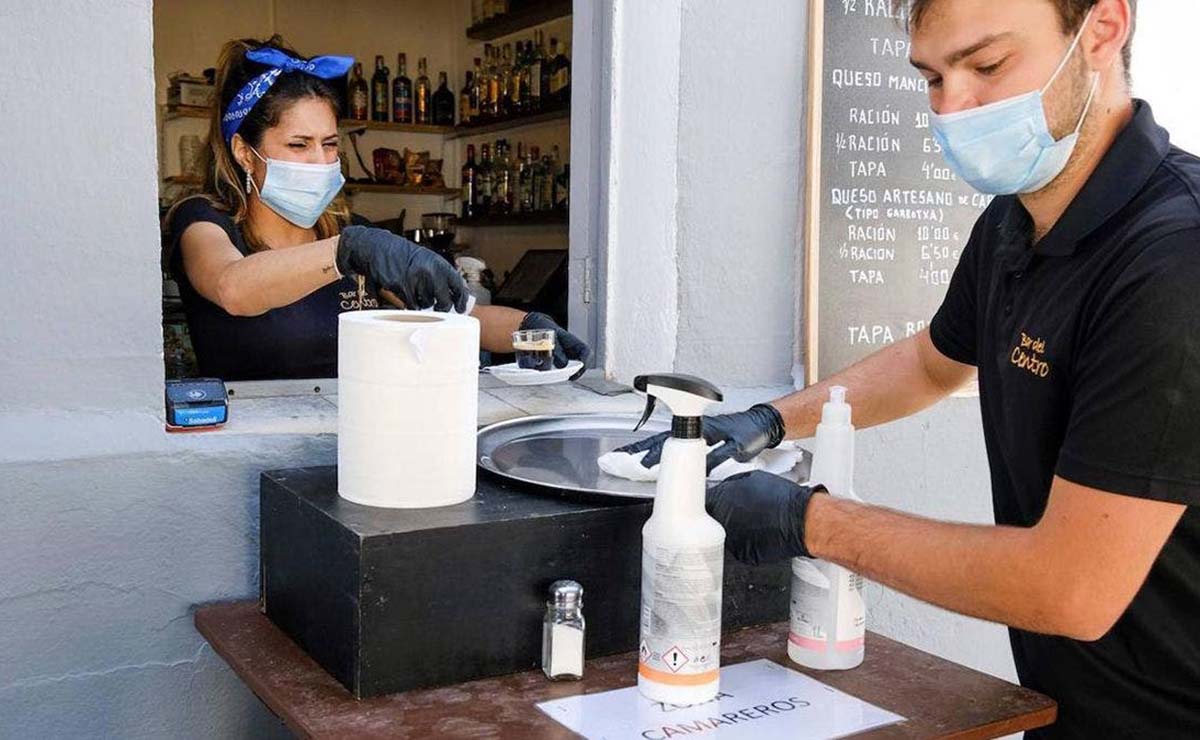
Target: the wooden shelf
pixel 173 112
pixel 532 13
pixel 558 113
pixel 407 128
pixel 387 187
pixel 183 180
pixel 537 218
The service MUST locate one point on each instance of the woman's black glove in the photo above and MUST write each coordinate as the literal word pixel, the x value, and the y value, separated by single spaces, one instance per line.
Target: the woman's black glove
pixel 763 516
pixel 418 276
pixel 744 435
pixel 567 346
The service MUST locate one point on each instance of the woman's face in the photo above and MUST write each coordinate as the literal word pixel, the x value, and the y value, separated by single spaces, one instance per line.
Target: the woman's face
pixel 306 132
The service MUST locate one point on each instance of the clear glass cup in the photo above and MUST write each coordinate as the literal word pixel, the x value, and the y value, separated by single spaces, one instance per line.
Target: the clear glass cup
pixel 534 349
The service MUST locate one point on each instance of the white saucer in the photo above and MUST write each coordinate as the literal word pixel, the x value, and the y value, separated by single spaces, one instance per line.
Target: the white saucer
pixel 514 375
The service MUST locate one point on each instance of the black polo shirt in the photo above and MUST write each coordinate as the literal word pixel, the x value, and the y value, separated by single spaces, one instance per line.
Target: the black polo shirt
pixel 1088 349
pixel 294 341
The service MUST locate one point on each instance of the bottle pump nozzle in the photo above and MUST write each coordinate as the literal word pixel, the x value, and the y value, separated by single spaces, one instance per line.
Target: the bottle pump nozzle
pixel 687 397
pixel 836 410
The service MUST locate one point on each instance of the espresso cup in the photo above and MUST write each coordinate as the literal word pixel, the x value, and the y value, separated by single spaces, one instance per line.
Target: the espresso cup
pixel 534 349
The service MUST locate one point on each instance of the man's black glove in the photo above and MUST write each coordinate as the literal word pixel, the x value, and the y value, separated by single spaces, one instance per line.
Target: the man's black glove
pixel 418 276
pixel 567 346
pixel 763 516
pixel 744 435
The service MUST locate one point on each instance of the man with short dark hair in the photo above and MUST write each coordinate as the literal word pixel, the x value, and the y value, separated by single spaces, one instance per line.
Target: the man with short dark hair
pixel 1077 301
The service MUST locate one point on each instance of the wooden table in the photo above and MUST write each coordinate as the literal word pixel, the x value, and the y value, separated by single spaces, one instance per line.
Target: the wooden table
pixel 939 698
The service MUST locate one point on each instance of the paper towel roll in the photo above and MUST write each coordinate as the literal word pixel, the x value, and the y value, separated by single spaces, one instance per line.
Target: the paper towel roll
pixel 408 408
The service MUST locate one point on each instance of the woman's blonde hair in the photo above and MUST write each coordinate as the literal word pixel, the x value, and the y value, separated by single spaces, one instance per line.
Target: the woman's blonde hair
pixel 224 178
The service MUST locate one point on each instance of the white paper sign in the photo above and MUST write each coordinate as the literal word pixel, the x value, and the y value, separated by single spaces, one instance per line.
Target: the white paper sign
pixel 759 700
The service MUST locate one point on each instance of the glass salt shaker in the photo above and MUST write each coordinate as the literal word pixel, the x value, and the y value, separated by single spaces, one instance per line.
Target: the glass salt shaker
pixel 562 632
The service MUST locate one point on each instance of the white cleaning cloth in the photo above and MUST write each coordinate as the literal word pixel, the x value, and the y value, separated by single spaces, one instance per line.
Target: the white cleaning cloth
pixel 629 466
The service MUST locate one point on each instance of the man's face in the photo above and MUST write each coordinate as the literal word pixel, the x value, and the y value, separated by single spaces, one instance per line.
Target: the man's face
pixel 975 52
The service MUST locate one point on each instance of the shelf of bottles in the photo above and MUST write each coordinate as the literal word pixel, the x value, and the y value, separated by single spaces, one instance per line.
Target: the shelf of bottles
pixel 557 112
pixel 537 218
pixel 407 128
pixel 527 189
pixel 387 187
pixel 517 16
pixel 515 84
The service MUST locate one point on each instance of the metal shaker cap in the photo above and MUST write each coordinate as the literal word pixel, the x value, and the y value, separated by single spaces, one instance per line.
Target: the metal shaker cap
pixel 566 594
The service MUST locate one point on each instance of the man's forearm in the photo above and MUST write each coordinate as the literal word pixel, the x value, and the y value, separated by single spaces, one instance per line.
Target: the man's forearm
pixel 993 573
pixel 895 382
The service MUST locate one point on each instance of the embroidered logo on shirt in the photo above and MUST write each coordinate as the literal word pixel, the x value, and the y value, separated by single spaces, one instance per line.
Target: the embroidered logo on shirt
pixel 1027 355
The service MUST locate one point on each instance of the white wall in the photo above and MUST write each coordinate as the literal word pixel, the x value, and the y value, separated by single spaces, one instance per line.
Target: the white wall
pixel 1163 57
pixel 78 209
pixel 642 266
pixel 740 180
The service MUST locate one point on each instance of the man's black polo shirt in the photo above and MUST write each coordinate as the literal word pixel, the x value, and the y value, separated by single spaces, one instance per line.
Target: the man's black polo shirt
pixel 1088 349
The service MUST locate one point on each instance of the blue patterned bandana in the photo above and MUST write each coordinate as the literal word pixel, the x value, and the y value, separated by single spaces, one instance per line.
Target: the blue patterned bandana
pixel 327 68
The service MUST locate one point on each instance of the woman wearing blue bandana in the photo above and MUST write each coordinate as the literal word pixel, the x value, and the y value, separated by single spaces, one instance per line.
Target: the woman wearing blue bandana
pixel 269 255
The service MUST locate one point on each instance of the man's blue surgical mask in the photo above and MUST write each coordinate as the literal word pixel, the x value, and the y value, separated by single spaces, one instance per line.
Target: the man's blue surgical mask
pixel 298 191
pixel 1006 147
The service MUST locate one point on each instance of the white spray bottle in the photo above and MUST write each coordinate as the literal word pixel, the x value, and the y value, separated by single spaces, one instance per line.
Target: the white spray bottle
pixel 828 616
pixel 682 556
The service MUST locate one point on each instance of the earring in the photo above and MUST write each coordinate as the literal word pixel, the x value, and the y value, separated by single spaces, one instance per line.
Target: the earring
pixel 249 182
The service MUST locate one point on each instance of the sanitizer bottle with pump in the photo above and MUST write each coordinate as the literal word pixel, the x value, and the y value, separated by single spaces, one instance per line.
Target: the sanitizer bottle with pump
pixel 828 616
pixel 682 556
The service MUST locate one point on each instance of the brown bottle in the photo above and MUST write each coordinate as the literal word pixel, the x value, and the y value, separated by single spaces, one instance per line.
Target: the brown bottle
pixel 423 94
pixel 360 95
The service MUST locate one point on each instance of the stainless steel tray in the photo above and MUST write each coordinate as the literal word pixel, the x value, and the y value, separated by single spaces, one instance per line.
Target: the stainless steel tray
pixel 558 453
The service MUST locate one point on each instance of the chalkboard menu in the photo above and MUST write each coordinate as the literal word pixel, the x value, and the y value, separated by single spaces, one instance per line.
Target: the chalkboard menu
pixel 886 217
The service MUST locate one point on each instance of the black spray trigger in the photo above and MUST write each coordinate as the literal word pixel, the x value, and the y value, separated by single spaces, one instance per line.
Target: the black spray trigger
pixel 650 402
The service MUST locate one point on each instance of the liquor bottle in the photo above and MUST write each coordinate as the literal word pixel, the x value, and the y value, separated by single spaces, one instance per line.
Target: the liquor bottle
pixel 525 94
pixel 360 95
pixel 518 80
pixel 484 183
pixel 562 188
pixel 547 68
pixel 493 83
pixel 379 91
pixel 423 94
pixel 524 180
pixel 545 193
pixel 537 175
pixel 402 92
pixel 560 74
pixel 478 90
pixel 504 109
pixel 469 183
pixel 501 196
pixel 537 60
pixel 443 103
pixel 464 99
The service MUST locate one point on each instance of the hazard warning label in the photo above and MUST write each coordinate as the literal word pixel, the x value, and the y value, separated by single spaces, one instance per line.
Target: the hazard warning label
pixel 675 659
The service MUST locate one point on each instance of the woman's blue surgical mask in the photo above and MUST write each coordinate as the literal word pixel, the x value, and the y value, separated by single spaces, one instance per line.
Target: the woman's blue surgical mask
pixel 298 191
pixel 1006 147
